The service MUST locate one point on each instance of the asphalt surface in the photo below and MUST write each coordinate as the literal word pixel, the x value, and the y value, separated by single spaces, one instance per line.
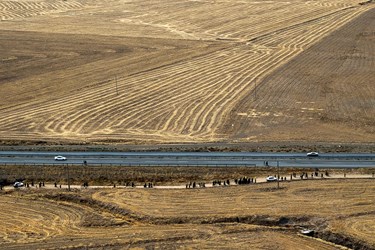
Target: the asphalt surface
pixel 228 159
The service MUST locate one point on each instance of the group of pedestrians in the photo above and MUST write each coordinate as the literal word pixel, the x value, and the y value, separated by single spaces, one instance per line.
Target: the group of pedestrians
pixel 195 185
pixel 245 180
pixel 238 181
pixel 315 174
pixel 148 185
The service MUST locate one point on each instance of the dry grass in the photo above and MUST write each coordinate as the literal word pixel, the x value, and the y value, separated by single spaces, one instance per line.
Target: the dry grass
pixel 186 71
pixel 122 175
pixel 256 216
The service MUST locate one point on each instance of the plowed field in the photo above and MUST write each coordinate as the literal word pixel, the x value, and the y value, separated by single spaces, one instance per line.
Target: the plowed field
pixel 256 216
pixel 187 71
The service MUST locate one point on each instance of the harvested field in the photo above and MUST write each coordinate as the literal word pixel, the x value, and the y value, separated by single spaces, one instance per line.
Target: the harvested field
pixel 257 216
pixel 186 71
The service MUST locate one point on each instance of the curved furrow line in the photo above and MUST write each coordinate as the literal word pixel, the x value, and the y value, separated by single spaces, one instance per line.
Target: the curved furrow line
pixel 279 37
pixel 164 118
pixel 113 109
pixel 11 116
pixel 157 114
pixel 9 16
pixel 148 90
pixel 306 40
pixel 17 125
pixel 260 71
pixel 191 119
pixel 57 107
pixel 330 4
pixel 230 12
pixel 152 104
pixel 88 102
pixel 13 9
pixel 181 120
pixel 41 219
pixel 207 113
pixel 296 17
pixel 286 36
pixel 204 113
pixel 197 124
pixel 176 121
pixel 237 26
pixel 94 96
pixel 299 42
pixel 363 226
pixel 316 20
pixel 206 23
pixel 4 6
pixel 319 37
pixel 209 77
pixel 268 100
pixel 167 101
pixel 60 102
pixel 278 92
pixel 104 106
pixel 59 5
pixel 186 116
pixel 173 97
pixel 187 97
pixel 314 35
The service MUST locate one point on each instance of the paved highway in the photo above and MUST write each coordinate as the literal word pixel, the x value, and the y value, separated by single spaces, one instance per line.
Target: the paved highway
pixel 190 159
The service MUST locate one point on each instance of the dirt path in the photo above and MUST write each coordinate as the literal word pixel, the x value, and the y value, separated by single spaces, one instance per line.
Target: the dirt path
pixel 258 180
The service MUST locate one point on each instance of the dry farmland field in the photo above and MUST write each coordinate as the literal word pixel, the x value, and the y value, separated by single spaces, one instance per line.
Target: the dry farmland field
pixel 77 71
pixel 256 216
pixel 152 72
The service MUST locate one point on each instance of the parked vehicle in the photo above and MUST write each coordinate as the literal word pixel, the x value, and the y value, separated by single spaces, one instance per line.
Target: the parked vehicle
pixel 271 178
pixel 18 184
pixel 307 232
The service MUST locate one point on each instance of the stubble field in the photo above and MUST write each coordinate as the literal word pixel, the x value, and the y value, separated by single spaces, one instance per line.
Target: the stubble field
pixel 255 216
pixel 143 72
pixel 186 71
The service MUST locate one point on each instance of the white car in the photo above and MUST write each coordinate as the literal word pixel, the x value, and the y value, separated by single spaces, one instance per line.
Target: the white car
pixel 307 232
pixel 271 178
pixel 18 184
pixel 312 154
pixel 60 158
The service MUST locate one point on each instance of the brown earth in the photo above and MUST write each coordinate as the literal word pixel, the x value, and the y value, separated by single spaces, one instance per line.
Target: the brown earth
pixel 79 72
pixel 326 90
pixel 208 75
pixel 256 216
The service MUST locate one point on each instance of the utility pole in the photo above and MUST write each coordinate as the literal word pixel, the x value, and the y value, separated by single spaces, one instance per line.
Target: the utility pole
pixel 67 169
